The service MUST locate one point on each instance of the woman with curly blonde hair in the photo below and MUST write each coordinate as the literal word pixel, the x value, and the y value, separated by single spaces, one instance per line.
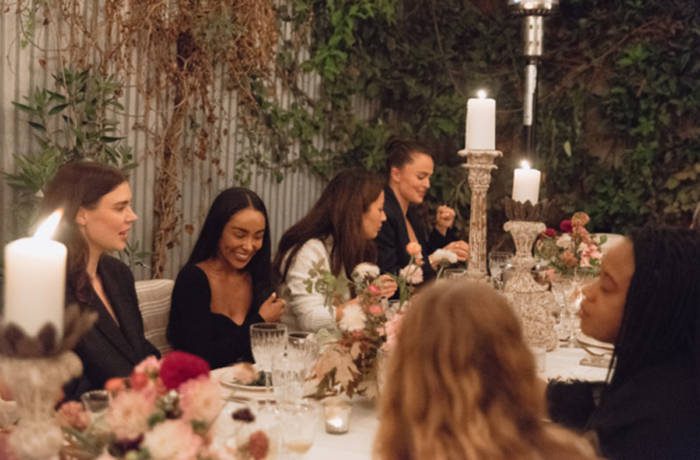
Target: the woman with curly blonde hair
pixel 464 384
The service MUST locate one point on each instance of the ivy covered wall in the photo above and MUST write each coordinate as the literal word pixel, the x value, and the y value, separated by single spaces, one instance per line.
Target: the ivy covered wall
pixel 618 106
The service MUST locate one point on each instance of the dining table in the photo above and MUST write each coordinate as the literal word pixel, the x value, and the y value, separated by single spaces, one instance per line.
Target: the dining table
pixel 357 443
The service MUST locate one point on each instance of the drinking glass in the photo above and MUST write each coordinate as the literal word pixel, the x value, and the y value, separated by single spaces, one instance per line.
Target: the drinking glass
pixel 498 262
pixel 302 347
pixel 299 423
pixel 267 340
pixel 567 294
pixel 288 378
pixel 95 402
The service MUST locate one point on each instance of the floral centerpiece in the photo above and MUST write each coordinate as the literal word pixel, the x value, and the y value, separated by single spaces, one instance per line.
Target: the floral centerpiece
pixel 574 250
pixel 163 410
pixel 348 360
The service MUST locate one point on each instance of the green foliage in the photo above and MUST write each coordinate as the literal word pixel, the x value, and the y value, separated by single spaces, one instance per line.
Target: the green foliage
pixel 618 99
pixel 74 121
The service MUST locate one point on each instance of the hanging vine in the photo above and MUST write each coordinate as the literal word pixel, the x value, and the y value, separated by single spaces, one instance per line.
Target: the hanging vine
pixel 175 51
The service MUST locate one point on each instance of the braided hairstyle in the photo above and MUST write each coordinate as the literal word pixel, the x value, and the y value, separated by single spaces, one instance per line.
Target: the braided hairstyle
pixel 660 319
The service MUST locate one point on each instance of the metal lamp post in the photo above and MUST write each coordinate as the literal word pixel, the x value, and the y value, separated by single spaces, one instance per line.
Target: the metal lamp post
pixel 533 13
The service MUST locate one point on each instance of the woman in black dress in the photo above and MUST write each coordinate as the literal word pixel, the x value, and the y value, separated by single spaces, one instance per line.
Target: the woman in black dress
pixel 225 285
pixel 97 217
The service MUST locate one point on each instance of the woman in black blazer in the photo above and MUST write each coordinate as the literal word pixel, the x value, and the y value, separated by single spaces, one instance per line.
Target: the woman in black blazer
pixel 97 217
pixel 409 167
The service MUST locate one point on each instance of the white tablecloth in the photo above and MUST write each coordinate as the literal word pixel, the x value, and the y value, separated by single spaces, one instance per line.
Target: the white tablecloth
pixel 357 443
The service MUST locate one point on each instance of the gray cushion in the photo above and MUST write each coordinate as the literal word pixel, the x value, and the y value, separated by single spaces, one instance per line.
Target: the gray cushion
pixel 154 303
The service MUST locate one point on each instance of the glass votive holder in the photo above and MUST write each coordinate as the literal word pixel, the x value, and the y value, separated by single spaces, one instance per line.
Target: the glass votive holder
pixel 336 415
pixel 96 402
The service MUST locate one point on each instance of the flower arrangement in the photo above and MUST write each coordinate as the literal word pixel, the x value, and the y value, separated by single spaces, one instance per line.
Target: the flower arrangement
pixel 574 250
pixel 347 363
pixel 163 410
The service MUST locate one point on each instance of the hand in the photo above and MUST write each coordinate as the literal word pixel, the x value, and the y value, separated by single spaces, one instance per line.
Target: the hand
pixel 461 248
pixel 444 218
pixel 387 285
pixel 271 310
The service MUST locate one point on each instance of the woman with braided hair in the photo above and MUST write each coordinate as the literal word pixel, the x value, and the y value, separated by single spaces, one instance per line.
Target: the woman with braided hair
pixel 646 301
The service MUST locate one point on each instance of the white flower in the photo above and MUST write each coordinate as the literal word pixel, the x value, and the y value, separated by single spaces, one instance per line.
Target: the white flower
pixel 364 271
pixel 444 257
pixel 128 414
pixel 172 440
pixel 200 399
pixel 353 318
pixel 564 241
pixel 412 273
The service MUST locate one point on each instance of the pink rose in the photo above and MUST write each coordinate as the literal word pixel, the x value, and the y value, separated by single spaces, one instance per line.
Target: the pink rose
pixel 72 414
pixel 373 290
pixel 413 249
pixel 376 310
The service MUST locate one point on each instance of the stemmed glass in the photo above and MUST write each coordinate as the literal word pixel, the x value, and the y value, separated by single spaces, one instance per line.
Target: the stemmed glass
pixel 567 293
pixel 498 262
pixel 303 347
pixel 299 422
pixel 267 340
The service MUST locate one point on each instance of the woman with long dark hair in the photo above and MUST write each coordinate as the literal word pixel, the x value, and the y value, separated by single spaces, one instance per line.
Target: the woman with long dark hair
pixel 409 168
pixel 97 217
pixel 225 285
pixel 646 301
pixel 335 235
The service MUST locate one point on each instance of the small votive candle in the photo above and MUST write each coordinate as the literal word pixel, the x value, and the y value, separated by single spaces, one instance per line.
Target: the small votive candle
pixel 336 414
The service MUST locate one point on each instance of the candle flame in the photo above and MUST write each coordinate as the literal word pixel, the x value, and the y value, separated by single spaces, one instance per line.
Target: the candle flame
pixel 481 94
pixel 47 227
pixel 525 164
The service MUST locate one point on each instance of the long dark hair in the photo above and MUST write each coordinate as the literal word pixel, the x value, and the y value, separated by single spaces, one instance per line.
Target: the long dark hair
pixel 660 319
pixel 337 214
pixel 78 185
pixel 399 152
pixel 225 205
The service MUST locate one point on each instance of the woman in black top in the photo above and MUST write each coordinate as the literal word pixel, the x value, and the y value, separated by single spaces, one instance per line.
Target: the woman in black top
pixel 97 217
pixel 646 301
pixel 225 285
pixel 409 167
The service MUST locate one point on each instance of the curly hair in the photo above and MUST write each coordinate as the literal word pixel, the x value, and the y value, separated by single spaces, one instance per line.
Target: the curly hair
pixel 464 384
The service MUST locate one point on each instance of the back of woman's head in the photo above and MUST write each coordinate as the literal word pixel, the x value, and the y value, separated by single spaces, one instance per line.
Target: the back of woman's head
pixel 660 319
pixel 399 152
pixel 337 214
pixel 225 205
pixel 463 382
pixel 77 185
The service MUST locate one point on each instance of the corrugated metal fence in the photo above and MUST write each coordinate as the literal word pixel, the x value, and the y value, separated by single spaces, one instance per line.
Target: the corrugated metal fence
pixel 20 70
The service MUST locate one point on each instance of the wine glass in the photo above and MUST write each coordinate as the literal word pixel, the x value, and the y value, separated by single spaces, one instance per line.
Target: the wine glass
pixel 299 423
pixel 302 347
pixel 498 262
pixel 267 340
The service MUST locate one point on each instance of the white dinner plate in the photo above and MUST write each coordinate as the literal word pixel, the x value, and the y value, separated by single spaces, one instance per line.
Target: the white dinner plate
pixel 227 380
pixel 591 342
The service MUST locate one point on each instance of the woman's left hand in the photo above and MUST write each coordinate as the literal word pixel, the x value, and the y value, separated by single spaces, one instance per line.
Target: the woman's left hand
pixel 444 218
pixel 387 285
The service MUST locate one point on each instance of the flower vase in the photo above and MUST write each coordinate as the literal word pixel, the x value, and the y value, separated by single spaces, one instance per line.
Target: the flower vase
pixel 532 301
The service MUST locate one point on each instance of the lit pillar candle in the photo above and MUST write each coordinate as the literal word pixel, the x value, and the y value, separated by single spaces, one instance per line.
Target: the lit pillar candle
pixel 35 280
pixel 481 123
pixel 526 184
